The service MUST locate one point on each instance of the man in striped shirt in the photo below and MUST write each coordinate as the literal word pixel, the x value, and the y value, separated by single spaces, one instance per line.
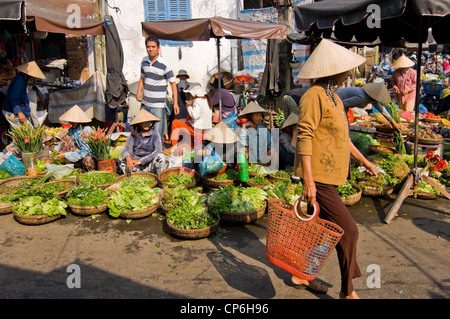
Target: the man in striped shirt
pixel 156 73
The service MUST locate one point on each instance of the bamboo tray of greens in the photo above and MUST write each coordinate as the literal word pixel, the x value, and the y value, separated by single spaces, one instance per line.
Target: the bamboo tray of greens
pixel 349 194
pixel 87 200
pixel 177 176
pixel 100 179
pixel 279 175
pixel 59 187
pixel 173 197
pixel 238 204
pixel 286 190
pixel 227 178
pixel 259 181
pixel 38 210
pixel 138 179
pixel 132 202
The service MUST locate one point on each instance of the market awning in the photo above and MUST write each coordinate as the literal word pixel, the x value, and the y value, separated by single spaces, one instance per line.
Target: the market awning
pixel 203 29
pixel 352 21
pixel 64 16
pixel 56 16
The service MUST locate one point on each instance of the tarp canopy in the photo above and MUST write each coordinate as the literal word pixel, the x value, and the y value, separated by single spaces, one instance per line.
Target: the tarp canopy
pixel 352 22
pixel 203 29
pixel 56 16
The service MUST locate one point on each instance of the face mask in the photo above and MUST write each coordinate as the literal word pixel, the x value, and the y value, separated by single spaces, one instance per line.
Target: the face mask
pixel 182 84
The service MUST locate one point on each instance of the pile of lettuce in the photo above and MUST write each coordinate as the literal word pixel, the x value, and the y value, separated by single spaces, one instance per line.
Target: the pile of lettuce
pixel 132 199
pixel 40 205
pixel 236 199
pixel 97 178
pixel 180 196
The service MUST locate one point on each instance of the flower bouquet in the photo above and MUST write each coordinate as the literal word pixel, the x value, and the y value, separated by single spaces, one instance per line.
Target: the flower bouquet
pixel 27 138
pixel 100 145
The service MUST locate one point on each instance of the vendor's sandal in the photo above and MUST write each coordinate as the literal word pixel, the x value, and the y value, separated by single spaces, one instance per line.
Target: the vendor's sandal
pixel 314 286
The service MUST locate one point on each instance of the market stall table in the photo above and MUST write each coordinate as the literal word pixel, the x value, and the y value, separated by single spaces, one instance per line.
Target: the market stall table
pixel 90 97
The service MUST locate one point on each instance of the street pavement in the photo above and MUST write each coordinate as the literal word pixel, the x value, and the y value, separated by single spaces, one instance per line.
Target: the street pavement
pixel 108 258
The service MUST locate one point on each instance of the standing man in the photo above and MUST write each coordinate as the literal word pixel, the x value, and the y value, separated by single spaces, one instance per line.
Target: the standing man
pixel 156 73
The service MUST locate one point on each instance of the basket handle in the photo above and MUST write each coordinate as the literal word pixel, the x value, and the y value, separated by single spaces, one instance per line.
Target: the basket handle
pixel 302 214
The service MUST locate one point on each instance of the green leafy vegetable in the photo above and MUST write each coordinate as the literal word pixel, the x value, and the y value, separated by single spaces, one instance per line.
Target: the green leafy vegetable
pixel 87 195
pixel 38 205
pixel 180 179
pixel 4 174
pixel 97 178
pixel 131 199
pixel 236 199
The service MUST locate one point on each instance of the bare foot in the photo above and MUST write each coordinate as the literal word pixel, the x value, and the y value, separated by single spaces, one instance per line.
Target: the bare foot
pixel 353 295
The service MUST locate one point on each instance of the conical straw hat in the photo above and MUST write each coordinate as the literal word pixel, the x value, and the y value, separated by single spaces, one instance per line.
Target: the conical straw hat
pixel 221 133
pixel 328 59
pixel 291 120
pixel 32 69
pixel 378 92
pixel 75 115
pixel 252 107
pixel 403 62
pixel 144 116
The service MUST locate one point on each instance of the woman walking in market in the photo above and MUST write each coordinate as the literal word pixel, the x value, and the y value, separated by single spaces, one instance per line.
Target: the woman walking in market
pixel 323 149
pixel 404 83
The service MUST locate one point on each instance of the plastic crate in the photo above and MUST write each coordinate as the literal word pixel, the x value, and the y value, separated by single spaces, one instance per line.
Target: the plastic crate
pixel 432 88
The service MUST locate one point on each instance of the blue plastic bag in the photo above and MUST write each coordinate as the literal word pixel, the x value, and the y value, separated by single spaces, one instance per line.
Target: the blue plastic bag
pixel 13 166
pixel 211 163
pixel 230 121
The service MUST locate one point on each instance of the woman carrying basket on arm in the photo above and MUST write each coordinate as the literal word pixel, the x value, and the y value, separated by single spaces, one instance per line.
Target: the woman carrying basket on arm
pixel 323 152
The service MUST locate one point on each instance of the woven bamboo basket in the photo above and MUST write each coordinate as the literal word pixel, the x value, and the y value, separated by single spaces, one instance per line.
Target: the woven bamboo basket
pixel 353 199
pixel 102 186
pixel 244 217
pixel 425 195
pixel 193 233
pixel 277 178
pixel 88 210
pixel 144 174
pixel 214 184
pixel 71 183
pixel 35 219
pixel 6 208
pixel 14 181
pixel 139 214
pixel 250 184
pixel 435 141
pixel 164 175
pixel 375 191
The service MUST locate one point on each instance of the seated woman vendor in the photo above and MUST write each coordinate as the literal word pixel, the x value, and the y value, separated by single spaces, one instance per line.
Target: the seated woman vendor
pixel 143 150
pixel 73 148
pixel 253 135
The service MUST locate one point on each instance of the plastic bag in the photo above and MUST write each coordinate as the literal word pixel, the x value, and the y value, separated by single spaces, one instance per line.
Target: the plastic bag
pixel 59 171
pixel 211 163
pixel 13 166
pixel 230 121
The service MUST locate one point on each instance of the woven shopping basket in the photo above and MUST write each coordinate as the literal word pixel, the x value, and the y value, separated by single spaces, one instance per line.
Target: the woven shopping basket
pixel 297 242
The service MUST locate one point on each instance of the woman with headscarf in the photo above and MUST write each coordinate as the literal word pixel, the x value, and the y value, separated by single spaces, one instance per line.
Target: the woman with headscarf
pixel 323 150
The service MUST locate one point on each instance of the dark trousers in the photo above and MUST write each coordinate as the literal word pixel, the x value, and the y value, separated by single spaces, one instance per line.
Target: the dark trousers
pixel 334 210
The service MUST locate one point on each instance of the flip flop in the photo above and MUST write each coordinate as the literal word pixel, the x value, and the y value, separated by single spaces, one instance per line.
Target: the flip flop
pixel 314 286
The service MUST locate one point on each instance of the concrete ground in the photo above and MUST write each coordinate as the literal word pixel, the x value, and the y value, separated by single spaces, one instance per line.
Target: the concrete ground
pixel 140 259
